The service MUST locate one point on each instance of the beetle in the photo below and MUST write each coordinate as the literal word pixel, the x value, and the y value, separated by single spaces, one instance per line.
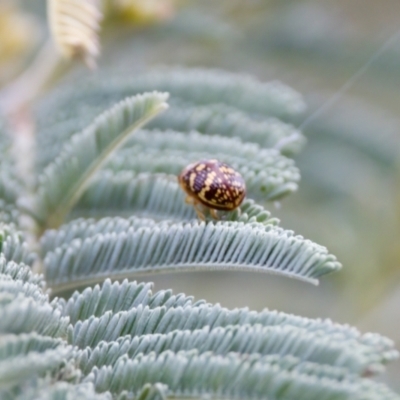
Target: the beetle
pixel 214 185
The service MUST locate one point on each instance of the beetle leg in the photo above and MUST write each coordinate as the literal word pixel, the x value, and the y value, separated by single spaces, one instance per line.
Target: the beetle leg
pixel 213 213
pixel 189 200
pixel 199 211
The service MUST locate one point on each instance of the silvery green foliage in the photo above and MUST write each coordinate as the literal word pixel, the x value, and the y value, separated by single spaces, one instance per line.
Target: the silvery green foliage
pixel 189 374
pixel 10 185
pixel 156 196
pixel 267 173
pixel 124 341
pixel 13 245
pixel 212 102
pixel 144 247
pixel 32 329
pixel 46 390
pixel 63 181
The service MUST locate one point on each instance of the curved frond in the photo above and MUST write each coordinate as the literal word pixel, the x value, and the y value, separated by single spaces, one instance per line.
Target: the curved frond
pixel 120 297
pixel 223 100
pixel 45 390
pixel 10 187
pixel 19 369
pixel 313 346
pixel 63 182
pixel 9 213
pixel 111 297
pixel 164 320
pixel 224 121
pixel 18 345
pixel 23 315
pixel 267 173
pixel 157 196
pixel 20 272
pixel 211 120
pixel 75 25
pixel 190 86
pixel 158 391
pixel 13 245
pixel 187 246
pixel 188 374
pixel 28 290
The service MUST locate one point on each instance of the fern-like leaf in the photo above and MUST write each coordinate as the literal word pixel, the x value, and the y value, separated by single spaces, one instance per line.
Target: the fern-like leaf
pixel 157 391
pixel 13 245
pixel 28 290
pixel 338 351
pixel 157 196
pixel 75 25
pixel 267 173
pixel 169 318
pixel 45 390
pixel 19 369
pixel 189 86
pixel 224 121
pixel 187 246
pixel 22 315
pixel 120 297
pixel 19 272
pixel 17 345
pixel 211 120
pixel 63 182
pixel 188 374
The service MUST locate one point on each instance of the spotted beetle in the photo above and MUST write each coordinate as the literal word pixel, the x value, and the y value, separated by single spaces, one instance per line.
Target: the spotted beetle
pixel 213 184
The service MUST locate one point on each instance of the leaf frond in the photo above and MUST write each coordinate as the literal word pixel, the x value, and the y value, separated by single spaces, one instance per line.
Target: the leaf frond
pixel 23 315
pixel 166 320
pixel 211 120
pixel 156 196
pixel 63 181
pixel 224 121
pixel 267 173
pixel 10 187
pixel 44 390
pixel 13 245
pixel 9 214
pixel 121 297
pixel 18 345
pixel 28 290
pixel 75 25
pixel 316 347
pixel 20 272
pixel 16 370
pixel 251 377
pixel 187 246
pixel 158 391
pixel 191 86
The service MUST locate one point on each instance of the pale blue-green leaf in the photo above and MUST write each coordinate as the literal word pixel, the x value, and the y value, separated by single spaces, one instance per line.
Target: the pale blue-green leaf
pixel 314 346
pixel 13 245
pixel 234 376
pixel 19 345
pixel 142 321
pixel 20 272
pixel 120 297
pixel 211 120
pixel 21 368
pixel 63 181
pixel 23 315
pixel 186 246
pixel 190 85
pixel 157 196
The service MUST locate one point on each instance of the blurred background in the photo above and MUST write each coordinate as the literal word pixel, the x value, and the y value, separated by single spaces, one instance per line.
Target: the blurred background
pixel 348 199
